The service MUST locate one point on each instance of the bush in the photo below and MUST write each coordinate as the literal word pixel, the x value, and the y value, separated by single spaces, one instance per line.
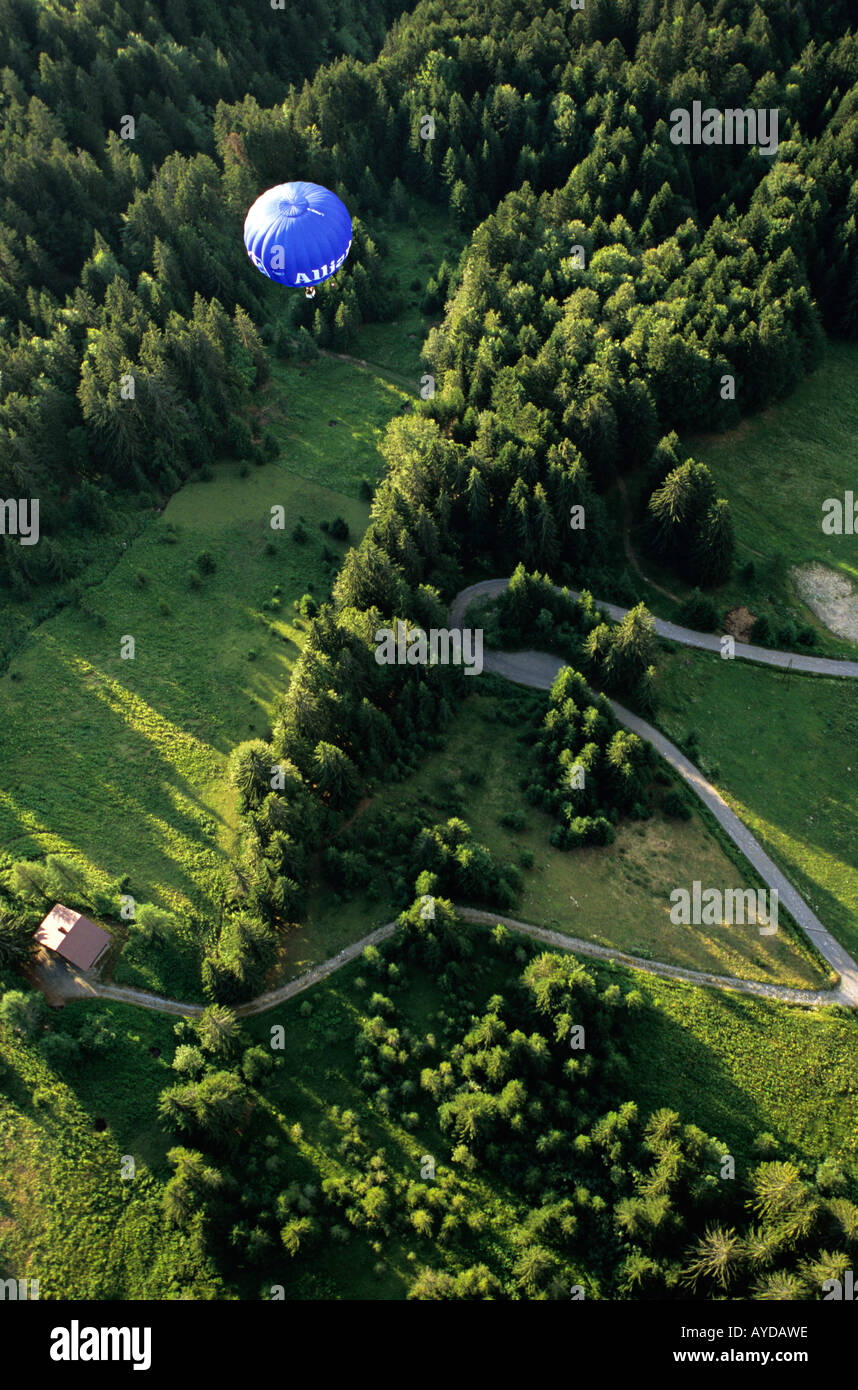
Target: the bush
pixel 255 1064
pixel 60 1050
pixel 763 633
pixel 339 529
pixel 299 535
pixel 205 563
pixel 676 806
pixel 307 606
pixel 23 1013
pixel 700 612
pixel 96 1034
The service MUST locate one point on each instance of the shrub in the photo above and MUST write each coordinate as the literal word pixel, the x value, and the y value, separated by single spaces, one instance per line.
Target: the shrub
pixel 60 1049
pixel 699 611
pixel 763 632
pixel 339 529
pixel 299 535
pixel 676 806
pixel 255 1064
pixel 188 1060
pixel 205 563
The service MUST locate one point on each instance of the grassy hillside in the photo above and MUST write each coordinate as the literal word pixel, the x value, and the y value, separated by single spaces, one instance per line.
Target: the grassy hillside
pixel 618 895
pixel 776 470
pixel 132 778
pixel 781 749
pixel 133 783
pixel 743 1067
pixel 67 1216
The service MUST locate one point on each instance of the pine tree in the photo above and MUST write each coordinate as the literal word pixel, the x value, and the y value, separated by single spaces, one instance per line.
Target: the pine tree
pixel 715 545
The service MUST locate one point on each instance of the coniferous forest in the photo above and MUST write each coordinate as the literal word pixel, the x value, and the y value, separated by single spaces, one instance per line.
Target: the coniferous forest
pixel 395 1001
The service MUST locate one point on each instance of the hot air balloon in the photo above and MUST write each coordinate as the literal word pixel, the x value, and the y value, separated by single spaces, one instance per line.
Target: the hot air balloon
pixel 298 234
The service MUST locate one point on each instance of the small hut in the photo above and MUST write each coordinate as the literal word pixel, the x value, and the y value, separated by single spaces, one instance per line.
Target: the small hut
pixel 73 937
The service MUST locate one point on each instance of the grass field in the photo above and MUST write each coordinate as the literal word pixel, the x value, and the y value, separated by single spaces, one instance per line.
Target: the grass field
pixel 782 751
pixel 131 776
pixel 67 1216
pixel 776 470
pixel 618 895
pixel 131 781
pixel 740 1067
pixel 414 253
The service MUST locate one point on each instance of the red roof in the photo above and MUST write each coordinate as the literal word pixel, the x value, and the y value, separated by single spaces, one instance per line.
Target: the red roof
pixel 72 936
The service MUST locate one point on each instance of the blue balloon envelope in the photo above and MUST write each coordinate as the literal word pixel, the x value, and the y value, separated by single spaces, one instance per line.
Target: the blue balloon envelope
pixel 298 234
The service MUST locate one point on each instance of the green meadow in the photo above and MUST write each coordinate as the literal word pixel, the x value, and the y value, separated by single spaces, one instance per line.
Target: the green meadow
pixel 120 759
pixel 741 1067
pixel 617 895
pixel 67 1215
pixel 131 779
pixel 776 469
pixel 783 751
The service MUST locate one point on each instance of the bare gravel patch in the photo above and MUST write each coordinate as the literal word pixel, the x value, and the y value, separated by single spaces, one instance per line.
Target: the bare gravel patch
pixel 830 596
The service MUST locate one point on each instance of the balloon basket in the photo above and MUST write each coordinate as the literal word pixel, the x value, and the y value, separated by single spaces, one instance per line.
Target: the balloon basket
pixel 309 292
